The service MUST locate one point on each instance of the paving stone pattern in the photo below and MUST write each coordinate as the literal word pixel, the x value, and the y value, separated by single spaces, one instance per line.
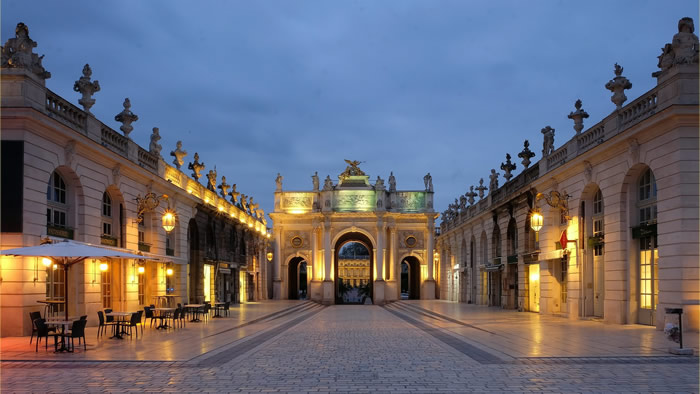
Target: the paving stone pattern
pixel 358 349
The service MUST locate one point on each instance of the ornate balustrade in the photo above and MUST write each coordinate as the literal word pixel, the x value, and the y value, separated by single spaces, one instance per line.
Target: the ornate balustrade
pixel 592 137
pixel 64 111
pixel 148 160
pixel 114 141
pixel 639 109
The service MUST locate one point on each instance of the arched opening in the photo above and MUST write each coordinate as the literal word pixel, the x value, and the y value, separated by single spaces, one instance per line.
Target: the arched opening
pixel 495 268
pixel 298 279
pixel 410 278
pixel 512 265
pixel 591 220
pixel 644 218
pixel 472 270
pixel 354 269
pixel 194 262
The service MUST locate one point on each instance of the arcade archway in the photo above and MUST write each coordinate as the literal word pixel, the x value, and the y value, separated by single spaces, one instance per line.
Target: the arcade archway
pixel 298 279
pixel 410 278
pixel 354 269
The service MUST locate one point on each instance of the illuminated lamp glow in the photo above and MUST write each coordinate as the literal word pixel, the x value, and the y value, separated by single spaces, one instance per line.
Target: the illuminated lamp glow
pixel 169 271
pixel 46 262
pixel 104 267
pixel 536 221
pixel 141 269
pixel 168 221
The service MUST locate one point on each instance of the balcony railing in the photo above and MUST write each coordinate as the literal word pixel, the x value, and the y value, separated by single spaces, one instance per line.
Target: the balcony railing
pixel 64 111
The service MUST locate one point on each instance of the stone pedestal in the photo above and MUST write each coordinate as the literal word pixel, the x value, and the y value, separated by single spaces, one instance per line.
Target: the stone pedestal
pixel 328 293
pixel 378 294
pixel 316 291
pixel 427 290
pixel 391 292
pixel 277 289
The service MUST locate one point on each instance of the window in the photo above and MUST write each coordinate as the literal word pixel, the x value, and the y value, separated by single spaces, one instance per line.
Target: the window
pixel 598 222
pixel 142 289
pixel 564 283
pixel 56 210
pixel 648 249
pixel 55 286
pixel 106 288
pixel 647 198
pixel 106 214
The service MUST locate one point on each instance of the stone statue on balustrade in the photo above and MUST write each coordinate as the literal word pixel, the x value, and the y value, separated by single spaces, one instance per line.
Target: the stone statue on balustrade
pixel 234 194
pixel 244 203
pixel 327 183
pixel 428 181
pixel 278 181
pixel 126 118
pixel 253 206
pixel 196 167
pixel 179 155
pixel 481 188
pixel 314 179
pixel 87 88
pixel 683 49
pixel 154 147
pixel 548 143
pixel 526 154
pixel 224 187
pixel 507 168
pixel 392 182
pixel 462 204
pixel 493 181
pixel 578 116
pixel 618 85
pixel 470 195
pixel 379 184
pixel 18 52
pixel 211 180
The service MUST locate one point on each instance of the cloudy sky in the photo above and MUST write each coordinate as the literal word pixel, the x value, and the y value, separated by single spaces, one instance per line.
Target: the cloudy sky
pixel 260 87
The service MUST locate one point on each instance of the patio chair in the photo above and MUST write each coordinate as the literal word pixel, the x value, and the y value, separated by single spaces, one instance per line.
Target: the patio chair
pixel 103 325
pixel 134 322
pixel 33 316
pixel 183 316
pixel 206 309
pixel 227 305
pixel 78 331
pixel 110 319
pixel 42 330
pixel 175 317
pixel 149 314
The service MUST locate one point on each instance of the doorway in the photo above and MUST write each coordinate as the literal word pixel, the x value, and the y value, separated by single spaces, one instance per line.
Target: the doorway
pixel 534 287
pixel 410 278
pixel 354 276
pixel 297 278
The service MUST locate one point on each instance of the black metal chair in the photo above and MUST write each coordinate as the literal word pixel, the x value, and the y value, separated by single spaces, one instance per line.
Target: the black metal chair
pixel 103 325
pixel 110 319
pixel 227 305
pixel 134 322
pixel 149 314
pixel 33 316
pixel 77 331
pixel 42 330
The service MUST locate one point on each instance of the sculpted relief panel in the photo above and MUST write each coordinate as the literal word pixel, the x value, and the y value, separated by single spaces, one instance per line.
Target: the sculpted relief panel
pixel 410 201
pixel 297 201
pixel 354 201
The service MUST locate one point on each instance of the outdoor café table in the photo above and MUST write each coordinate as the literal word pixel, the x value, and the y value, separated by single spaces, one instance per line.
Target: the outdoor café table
pixel 120 318
pixel 163 316
pixel 217 307
pixel 193 308
pixel 64 324
pixel 50 307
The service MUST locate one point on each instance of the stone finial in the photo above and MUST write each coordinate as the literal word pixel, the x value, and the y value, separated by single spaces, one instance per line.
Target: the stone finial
pixel 493 181
pixel 234 194
pixel 682 50
pixel 379 184
pixel 618 85
pixel 327 183
pixel 314 180
pixel 278 182
pixel 154 147
pixel 428 180
pixel 211 180
pixel 179 155
pixel 526 154
pixel 481 188
pixel 87 88
pixel 392 182
pixel 18 52
pixel 196 167
pixel 548 144
pixel 126 117
pixel 470 195
pixel 578 116
pixel 507 168
pixel 224 187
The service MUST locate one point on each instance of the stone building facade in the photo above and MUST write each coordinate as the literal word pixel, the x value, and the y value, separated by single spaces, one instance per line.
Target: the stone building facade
pixel 396 227
pixel 619 201
pixel 66 174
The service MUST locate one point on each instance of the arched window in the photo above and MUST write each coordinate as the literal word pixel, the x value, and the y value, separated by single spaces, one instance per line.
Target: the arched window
pixel 107 217
pixel 57 207
pixel 496 242
pixel 598 216
pixel 512 238
pixel 648 247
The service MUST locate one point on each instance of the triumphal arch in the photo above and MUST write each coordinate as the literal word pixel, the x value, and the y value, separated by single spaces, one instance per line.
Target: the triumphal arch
pixel 313 228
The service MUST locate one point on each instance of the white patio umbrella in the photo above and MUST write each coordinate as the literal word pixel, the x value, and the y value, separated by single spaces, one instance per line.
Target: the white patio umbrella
pixel 68 253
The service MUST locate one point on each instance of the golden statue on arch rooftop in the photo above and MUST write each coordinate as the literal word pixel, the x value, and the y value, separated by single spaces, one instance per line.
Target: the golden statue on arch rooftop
pixel 352 169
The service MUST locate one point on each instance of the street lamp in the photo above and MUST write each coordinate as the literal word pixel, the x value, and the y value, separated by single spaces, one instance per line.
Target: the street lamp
pixel 168 220
pixel 269 256
pixel 536 222
pixel 104 267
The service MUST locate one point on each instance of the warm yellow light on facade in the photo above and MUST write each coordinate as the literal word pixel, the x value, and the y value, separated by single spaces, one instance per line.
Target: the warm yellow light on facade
pixel 169 272
pixel 534 276
pixel 296 211
pixel 221 208
pixel 46 262
pixel 55 266
pixel 141 269
pixel 168 220
pixel 536 220
pixel 269 256
pixel 104 267
pixel 269 235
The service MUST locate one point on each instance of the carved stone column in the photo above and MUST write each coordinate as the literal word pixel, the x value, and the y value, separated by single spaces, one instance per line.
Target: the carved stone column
pixel 428 288
pixel 317 268
pixel 328 288
pixel 379 283
pixel 276 277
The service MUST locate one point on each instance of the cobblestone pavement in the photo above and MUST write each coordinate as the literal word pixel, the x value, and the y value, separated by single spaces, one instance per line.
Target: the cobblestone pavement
pixel 359 349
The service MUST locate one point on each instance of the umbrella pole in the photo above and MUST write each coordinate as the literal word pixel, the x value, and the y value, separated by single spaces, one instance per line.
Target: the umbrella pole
pixel 65 286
